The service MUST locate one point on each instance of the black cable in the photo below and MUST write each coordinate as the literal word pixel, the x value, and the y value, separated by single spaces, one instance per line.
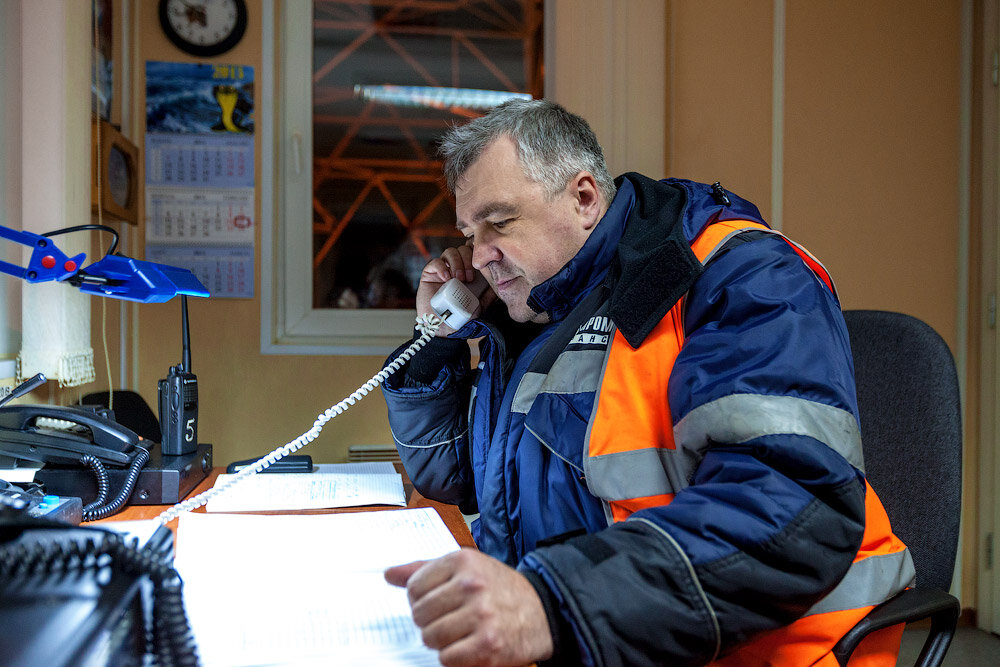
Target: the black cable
pixel 172 640
pixel 138 461
pixel 80 228
pixel 101 473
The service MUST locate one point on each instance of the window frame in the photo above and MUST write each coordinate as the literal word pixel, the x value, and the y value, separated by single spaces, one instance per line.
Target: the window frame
pixel 631 32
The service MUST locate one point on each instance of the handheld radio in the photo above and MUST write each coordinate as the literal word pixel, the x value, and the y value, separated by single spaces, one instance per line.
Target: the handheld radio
pixel 178 396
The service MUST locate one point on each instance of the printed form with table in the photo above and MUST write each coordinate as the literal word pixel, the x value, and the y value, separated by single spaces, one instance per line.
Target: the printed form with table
pixel 300 589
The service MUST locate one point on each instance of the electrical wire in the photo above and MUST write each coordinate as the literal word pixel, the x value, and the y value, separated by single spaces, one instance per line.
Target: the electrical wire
pixel 82 228
pixel 427 324
pixel 101 475
pixel 92 513
pixel 104 341
pixel 96 83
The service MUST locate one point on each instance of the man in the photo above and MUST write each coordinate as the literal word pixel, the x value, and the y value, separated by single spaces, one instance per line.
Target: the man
pixel 661 438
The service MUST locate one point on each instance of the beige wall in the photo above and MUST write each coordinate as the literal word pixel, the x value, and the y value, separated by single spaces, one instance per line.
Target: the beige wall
pixel 868 182
pixel 871 115
pixel 869 175
pixel 719 88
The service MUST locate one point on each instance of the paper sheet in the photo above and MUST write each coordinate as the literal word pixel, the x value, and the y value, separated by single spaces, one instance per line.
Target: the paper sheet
pixel 140 529
pixel 22 474
pixel 300 491
pixel 363 467
pixel 297 590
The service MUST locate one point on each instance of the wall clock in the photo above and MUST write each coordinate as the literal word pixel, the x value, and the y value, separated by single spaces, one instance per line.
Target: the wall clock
pixel 204 27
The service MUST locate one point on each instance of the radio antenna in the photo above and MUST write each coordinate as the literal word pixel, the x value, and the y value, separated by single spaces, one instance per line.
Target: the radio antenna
pixel 185 337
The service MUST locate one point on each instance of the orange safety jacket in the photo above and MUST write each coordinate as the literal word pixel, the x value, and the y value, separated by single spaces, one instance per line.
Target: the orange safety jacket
pixel 634 384
pixel 681 483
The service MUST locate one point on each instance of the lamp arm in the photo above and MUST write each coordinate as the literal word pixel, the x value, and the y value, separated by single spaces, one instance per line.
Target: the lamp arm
pixel 113 276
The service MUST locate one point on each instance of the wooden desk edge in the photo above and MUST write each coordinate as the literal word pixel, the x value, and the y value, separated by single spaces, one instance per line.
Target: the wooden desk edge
pixel 450 514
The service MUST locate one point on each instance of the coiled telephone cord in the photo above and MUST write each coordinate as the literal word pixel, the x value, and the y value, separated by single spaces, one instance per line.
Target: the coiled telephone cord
pixel 427 325
pixel 98 509
pixel 171 641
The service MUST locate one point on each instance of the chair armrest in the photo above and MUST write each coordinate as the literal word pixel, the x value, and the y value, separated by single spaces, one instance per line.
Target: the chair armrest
pixel 910 605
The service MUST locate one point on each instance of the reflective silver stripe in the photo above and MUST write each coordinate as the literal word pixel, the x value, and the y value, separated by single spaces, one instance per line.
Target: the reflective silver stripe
pixel 427 446
pixel 694 580
pixel 869 582
pixel 650 471
pixel 743 417
pixel 573 372
pixel 551 450
pixel 527 390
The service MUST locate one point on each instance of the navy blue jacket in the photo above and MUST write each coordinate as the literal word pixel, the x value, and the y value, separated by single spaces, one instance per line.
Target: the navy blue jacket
pixel 765 525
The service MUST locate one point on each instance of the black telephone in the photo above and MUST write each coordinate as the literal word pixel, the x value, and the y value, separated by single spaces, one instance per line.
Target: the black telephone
pixel 81 595
pixel 75 596
pixel 75 437
pixel 70 435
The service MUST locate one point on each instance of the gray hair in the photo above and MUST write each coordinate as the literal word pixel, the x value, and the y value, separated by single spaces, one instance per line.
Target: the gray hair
pixel 553 145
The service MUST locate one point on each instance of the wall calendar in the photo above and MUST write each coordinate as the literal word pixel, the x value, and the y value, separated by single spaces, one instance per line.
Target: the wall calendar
pixel 199 158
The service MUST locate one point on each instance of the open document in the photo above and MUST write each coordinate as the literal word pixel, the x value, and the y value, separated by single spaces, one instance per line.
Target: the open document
pixel 333 485
pixel 305 590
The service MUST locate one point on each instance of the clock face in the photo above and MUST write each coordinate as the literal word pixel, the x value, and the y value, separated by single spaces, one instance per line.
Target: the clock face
pixel 119 182
pixel 204 27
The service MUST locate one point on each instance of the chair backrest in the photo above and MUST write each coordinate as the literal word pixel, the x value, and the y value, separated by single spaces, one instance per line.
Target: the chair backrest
pixel 911 430
pixel 131 411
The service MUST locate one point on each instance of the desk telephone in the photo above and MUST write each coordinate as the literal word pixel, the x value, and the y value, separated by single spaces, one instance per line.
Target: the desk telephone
pixel 63 434
pixel 77 437
pixel 100 577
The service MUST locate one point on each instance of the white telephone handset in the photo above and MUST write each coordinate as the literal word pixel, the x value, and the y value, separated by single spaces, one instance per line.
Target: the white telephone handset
pixel 457 302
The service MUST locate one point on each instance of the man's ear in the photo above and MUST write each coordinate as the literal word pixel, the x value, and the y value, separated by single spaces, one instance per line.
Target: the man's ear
pixel 588 198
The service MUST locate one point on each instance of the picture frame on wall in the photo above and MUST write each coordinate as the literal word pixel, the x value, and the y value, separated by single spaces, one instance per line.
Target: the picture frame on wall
pixel 115 187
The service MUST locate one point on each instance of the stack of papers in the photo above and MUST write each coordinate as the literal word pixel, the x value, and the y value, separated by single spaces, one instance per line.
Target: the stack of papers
pixel 305 590
pixel 332 485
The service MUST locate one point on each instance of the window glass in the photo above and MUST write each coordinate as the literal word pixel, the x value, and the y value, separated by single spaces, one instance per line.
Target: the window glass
pixel 388 79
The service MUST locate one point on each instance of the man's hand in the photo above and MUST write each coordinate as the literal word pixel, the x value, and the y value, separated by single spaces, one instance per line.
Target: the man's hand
pixel 475 610
pixel 453 263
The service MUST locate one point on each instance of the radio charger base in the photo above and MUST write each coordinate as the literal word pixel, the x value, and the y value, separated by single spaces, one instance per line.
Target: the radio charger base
pixel 164 480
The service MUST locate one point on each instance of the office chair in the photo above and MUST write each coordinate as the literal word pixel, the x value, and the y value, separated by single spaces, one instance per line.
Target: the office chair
pixel 911 430
pixel 131 411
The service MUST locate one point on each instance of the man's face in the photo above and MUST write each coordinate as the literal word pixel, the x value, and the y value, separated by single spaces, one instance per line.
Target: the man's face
pixel 520 238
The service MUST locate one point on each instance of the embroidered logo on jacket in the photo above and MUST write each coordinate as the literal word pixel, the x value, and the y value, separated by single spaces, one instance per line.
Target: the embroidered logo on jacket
pixel 592 334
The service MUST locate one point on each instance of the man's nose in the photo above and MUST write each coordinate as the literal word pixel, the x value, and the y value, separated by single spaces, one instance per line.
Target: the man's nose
pixel 484 252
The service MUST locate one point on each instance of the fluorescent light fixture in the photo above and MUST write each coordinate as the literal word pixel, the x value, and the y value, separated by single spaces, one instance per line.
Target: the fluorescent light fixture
pixel 436 97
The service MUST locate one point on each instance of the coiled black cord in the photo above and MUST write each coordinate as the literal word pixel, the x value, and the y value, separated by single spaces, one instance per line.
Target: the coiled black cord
pixel 171 641
pixel 101 473
pixel 90 513
pixel 22 560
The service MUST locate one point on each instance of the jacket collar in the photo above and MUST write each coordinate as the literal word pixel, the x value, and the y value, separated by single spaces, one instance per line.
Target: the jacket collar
pixel 654 265
pixel 589 267
pixel 641 252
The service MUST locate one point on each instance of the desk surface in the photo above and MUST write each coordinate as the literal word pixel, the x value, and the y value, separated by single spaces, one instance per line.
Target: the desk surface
pixel 449 513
